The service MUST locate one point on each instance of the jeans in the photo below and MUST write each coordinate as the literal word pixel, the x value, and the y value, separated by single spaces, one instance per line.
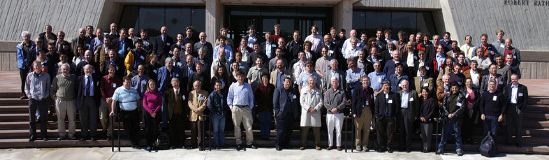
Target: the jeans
pixel 449 127
pixel 218 125
pixel 491 124
pixel 265 124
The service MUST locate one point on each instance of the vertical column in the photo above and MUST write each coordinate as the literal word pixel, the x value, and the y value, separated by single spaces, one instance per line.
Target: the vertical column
pixel 343 15
pixel 214 19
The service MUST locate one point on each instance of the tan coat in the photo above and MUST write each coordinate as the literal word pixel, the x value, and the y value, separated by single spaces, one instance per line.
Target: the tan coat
pixel 197 101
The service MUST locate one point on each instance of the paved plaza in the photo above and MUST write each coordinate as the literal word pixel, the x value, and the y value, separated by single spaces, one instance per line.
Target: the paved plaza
pixel 225 154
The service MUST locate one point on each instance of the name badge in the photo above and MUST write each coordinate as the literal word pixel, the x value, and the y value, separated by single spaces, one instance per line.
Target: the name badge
pixel 466 95
pixel 425 84
pixel 514 57
pixel 93 71
pixel 500 82
pixel 143 82
pixel 379 79
pixel 201 98
pixel 459 104
pixel 176 75
pixel 495 98
pixel 415 57
pixel 330 52
pixel 168 44
pixel 155 71
pixel 273 45
pixel 37 85
pixel 502 45
pixel 183 97
pixel 367 103
pixel 386 96
pixel 427 68
pixel 459 83
pixel 294 97
pixel 520 94
pixel 390 101
pixel 179 64
pixel 399 85
pixel 142 57
pixel 411 99
pixel 113 85
pixel 116 67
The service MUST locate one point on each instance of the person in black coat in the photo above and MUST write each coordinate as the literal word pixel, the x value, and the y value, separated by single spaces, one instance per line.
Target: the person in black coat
pixel 285 104
pixel 427 114
pixel 89 60
pixel 87 101
pixel 453 106
pixel 517 98
pixel 386 107
pixel 162 44
pixel 493 106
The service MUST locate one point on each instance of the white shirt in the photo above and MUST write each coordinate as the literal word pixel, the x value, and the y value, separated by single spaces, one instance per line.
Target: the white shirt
pixel 475 79
pixel 404 100
pixel 410 59
pixel 514 90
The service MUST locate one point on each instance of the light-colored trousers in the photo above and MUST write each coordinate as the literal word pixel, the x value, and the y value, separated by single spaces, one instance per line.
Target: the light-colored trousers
pixel 334 121
pixel 65 109
pixel 242 115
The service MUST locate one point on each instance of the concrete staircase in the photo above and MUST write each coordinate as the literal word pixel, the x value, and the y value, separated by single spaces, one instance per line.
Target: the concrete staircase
pixel 14 130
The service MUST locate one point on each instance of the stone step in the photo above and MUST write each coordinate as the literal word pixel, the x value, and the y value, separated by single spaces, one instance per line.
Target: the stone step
pixel 538 124
pixel 538 100
pixel 14 109
pixel 537 108
pixel 13 101
pixel 14 117
pixel 10 94
pixel 536 115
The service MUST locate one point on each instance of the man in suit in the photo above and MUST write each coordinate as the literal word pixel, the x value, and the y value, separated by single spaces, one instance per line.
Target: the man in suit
pixel 173 113
pixel 361 108
pixel 285 104
pixel 453 106
pixel 162 43
pixel 197 105
pixel 268 47
pixel 409 108
pixel 500 80
pixel 123 43
pixel 333 72
pixel 203 44
pixel 102 51
pixel 87 101
pixel 166 73
pixel 386 107
pixel 423 61
pixel 423 81
pixel 113 60
pixel 517 96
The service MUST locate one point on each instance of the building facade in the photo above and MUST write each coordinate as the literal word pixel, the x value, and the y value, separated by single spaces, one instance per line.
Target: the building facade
pixel 522 20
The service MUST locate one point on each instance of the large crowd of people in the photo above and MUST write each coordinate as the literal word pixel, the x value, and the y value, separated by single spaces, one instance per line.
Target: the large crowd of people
pixel 386 86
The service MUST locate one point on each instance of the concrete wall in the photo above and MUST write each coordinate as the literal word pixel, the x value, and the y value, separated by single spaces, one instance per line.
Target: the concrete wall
pixel 525 24
pixel 31 15
pixel 401 4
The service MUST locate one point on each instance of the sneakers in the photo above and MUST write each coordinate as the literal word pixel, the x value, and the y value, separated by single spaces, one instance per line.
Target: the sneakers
pixel 358 148
pixel 439 151
pixel 365 148
pixel 459 152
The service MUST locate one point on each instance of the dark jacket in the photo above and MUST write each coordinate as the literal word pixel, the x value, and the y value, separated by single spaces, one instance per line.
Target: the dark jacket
pixel 217 104
pixel 162 48
pixel 81 85
pixel 285 103
pixel 358 102
pixel 428 109
pixel 382 104
pixel 164 80
pixel 459 104
pixel 522 95
pixel 491 107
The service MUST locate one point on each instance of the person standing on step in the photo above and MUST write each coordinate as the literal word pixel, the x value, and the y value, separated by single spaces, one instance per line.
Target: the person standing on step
pixel 87 100
pixel 127 98
pixel 453 106
pixel 517 95
pixel 37 89
pixel 63 90
pixel 285 104
pixel 362 105
pixel 241 101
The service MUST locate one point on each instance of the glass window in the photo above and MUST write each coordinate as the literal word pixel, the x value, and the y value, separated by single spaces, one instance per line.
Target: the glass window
pixel 154 17
pixel 408 21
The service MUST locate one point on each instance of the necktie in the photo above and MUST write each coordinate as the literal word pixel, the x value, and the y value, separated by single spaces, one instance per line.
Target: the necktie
pixel 387 107
pixel 421 82
pixel 88 86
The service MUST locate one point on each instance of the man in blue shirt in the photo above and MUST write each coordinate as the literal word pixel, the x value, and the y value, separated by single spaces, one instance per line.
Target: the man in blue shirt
pixel 376 77
pixel 397 77
pixel 127 98
pixel 228 49
pixel 241 101
pixel 353 75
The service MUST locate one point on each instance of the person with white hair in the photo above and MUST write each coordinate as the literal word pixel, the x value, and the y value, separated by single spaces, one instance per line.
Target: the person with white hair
pixel 334 102
pixel 87 100
pixel 333 72
pixel 62 91
pixel 166 73
pixel 25 56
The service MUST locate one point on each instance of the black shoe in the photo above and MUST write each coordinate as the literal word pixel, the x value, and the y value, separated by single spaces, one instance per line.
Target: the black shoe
pixel 278 148
pixel 61 138
pixel 93 139
pixel 23 97
pixel 252 146
pixel 238 147
pixel 459 152
pixel 381 150
pixel 408 150
pixel 135 146
pixel 389 150
pixel 45 138
pixel 82 139
pixel 518 144
pixel 32 139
